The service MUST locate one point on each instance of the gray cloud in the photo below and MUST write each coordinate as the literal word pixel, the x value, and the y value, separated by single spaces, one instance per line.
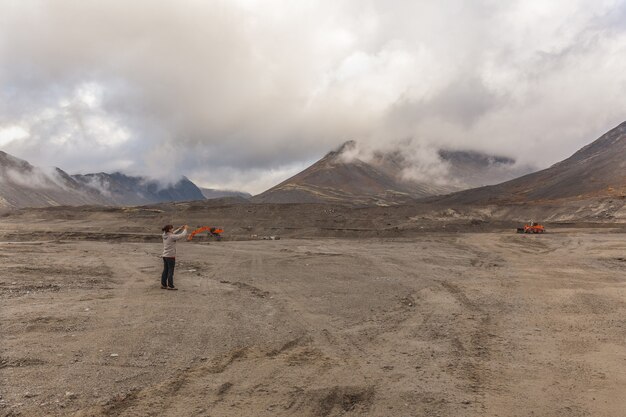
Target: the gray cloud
pixel 243 93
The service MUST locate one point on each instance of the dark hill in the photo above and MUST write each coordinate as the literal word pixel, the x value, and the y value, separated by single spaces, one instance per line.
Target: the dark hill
pixel 597 170
pixel 128 190
pixel 333 179
pixel 212 194
pixel 381 180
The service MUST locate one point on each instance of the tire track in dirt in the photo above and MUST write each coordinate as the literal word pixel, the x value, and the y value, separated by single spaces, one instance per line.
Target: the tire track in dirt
pixel 414 318
pixel 478 350
pixel 467 329
pixel 146 400
pixel 140 281
pixel 313 349
pixel 368 345
pixel 209 275
pixel 420 315
pixel 161 397
pixel 181 387
pixel 189 382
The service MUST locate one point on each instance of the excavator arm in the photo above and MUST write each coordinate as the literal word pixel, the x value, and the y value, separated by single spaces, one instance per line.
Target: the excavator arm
pixel 213 231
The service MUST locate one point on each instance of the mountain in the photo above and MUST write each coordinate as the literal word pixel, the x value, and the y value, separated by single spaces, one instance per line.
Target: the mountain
pixel 211 194
pixel 334 179
pixel 596 170
pixel 127 190
pixel 470 169
pixel 23 185
pixel 382 179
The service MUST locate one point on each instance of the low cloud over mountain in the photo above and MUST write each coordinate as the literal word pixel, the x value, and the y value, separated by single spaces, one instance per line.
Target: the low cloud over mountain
pixel 24 185
pixel 596 170
pixel 356 176
pixel 244 94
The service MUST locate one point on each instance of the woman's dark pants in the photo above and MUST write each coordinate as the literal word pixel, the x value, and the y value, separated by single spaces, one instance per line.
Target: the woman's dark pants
pixel 167 277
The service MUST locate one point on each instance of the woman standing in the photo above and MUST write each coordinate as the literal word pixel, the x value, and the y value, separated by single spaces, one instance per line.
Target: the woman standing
pixel 169 254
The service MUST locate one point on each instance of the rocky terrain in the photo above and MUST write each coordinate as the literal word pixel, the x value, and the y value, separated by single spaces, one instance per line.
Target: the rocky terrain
pixel 416 312
pixel 434 307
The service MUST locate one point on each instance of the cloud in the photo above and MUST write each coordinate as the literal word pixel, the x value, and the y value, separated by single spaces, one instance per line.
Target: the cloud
pixel 31 177
pixel 10 133
pixel 242 93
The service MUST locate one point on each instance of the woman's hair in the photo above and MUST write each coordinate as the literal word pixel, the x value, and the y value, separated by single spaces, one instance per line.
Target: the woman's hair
pixel 167 228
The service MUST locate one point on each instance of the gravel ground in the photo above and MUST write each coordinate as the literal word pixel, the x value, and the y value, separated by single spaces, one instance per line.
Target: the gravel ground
pixel 440 324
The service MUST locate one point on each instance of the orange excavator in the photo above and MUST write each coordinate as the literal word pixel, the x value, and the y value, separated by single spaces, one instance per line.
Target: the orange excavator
pixel 532 227
pixel 212 231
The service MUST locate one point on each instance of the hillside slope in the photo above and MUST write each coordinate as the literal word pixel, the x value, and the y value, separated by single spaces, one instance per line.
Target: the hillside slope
pixel 382 178
pixel 333 179
pixel 123 189
pixel 596 170
pixel 24 185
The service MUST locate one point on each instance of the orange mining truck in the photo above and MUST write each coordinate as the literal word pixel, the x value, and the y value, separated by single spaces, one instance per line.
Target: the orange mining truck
pixel 532 227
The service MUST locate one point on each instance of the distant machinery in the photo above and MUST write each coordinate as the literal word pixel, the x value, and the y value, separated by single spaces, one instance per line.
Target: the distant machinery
pixel 532 227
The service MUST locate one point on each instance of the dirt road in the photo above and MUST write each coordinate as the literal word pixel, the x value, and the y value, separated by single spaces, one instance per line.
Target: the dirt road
pixel 491 324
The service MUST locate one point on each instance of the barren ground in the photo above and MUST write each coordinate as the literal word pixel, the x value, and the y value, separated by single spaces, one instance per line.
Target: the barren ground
pixel 475 324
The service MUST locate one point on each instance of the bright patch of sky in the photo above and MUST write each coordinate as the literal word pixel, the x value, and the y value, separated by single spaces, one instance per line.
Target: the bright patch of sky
pixel 12 133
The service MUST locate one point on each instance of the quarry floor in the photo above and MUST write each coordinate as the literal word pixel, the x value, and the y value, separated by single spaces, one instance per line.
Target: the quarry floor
pixel 474 324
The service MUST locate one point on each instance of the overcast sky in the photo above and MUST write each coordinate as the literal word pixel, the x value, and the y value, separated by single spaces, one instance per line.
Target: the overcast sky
pixel 241 94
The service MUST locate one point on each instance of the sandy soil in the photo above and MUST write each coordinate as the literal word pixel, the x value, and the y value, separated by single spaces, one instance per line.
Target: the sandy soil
pixel 476 324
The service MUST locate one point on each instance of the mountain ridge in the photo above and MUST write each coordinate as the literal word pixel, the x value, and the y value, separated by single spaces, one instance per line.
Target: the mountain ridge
pixel 592 171
pixel 124 189
pixel 22 184
pixel 342 177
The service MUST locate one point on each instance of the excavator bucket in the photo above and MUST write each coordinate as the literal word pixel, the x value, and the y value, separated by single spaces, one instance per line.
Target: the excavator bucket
pixel 212 231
